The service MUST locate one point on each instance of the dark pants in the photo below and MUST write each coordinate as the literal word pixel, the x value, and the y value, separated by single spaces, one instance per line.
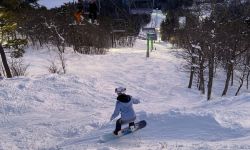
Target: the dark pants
pixel 119 123
pixel 92 16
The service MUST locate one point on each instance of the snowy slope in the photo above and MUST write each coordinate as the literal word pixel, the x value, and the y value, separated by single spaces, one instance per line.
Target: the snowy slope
pixel 50 111
pixel 71 111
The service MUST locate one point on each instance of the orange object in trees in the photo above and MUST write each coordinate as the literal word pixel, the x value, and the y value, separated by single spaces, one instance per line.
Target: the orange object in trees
pixel 78 17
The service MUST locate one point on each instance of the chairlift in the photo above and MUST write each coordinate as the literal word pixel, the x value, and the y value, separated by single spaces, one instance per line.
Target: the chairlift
pixel 118 29
pixel 141 6
pixel 150 32
pixel 119 25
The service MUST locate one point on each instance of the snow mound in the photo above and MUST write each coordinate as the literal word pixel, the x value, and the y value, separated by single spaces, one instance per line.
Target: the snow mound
pixel 189 126
pixel 66 111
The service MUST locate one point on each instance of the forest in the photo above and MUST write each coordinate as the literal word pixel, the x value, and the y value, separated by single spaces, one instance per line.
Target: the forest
pixel 215 36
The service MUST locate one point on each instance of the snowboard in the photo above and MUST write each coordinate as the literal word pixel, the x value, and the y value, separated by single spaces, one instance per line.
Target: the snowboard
pixel 110 136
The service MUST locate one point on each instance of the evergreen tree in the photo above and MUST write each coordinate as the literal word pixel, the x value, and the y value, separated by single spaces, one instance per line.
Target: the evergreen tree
pixel 8 26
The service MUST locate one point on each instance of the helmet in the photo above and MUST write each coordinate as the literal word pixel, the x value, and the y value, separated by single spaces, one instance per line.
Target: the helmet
pixel 120 90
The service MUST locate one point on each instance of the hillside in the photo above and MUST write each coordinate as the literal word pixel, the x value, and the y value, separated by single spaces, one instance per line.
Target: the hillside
pixel 71 111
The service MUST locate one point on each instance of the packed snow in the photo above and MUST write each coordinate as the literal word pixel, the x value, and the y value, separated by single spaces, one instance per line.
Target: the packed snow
pixel 72 110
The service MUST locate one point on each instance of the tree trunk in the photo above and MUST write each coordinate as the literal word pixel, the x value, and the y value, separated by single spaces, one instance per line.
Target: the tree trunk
pixel 248 79
pixel 191 77
pixel 241 84
pixel 232 77
pixel 5 63
pixel 211 76
pixel 241 80
pixel 229 73
pixel 201 76
pixel 202 82
pixel 192 71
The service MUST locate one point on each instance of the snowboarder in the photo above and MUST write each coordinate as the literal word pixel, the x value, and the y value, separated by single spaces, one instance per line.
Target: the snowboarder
pixel 124 106
pixel 93 12
pixel 79 14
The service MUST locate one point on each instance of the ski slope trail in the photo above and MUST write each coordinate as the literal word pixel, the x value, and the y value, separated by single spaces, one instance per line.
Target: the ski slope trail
pixel 50 111
pixel 71 111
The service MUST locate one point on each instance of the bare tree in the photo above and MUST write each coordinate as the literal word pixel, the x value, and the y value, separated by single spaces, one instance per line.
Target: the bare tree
pixel 53 67
pixel 62 61
pixel 5 63
pixel 219 40
pixel 18 68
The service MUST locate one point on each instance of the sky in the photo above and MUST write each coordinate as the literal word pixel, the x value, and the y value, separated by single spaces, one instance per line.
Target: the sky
pixel 53 3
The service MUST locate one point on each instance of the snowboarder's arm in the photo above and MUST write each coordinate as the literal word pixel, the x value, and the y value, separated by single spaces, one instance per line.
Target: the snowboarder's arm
pixel 135 101
pixel 116 111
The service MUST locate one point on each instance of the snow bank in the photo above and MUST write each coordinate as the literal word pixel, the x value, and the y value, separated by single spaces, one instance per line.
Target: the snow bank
pixel 72 111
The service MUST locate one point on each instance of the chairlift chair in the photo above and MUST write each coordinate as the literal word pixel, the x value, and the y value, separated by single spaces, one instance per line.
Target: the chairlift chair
pixel 118 29
pixel 119 25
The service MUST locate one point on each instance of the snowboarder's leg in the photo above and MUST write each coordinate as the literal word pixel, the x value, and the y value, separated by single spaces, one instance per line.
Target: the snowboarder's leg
pixel 132 126
pixel 95 18
pixel 118 126
pixel 90 18
pixel 94 15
